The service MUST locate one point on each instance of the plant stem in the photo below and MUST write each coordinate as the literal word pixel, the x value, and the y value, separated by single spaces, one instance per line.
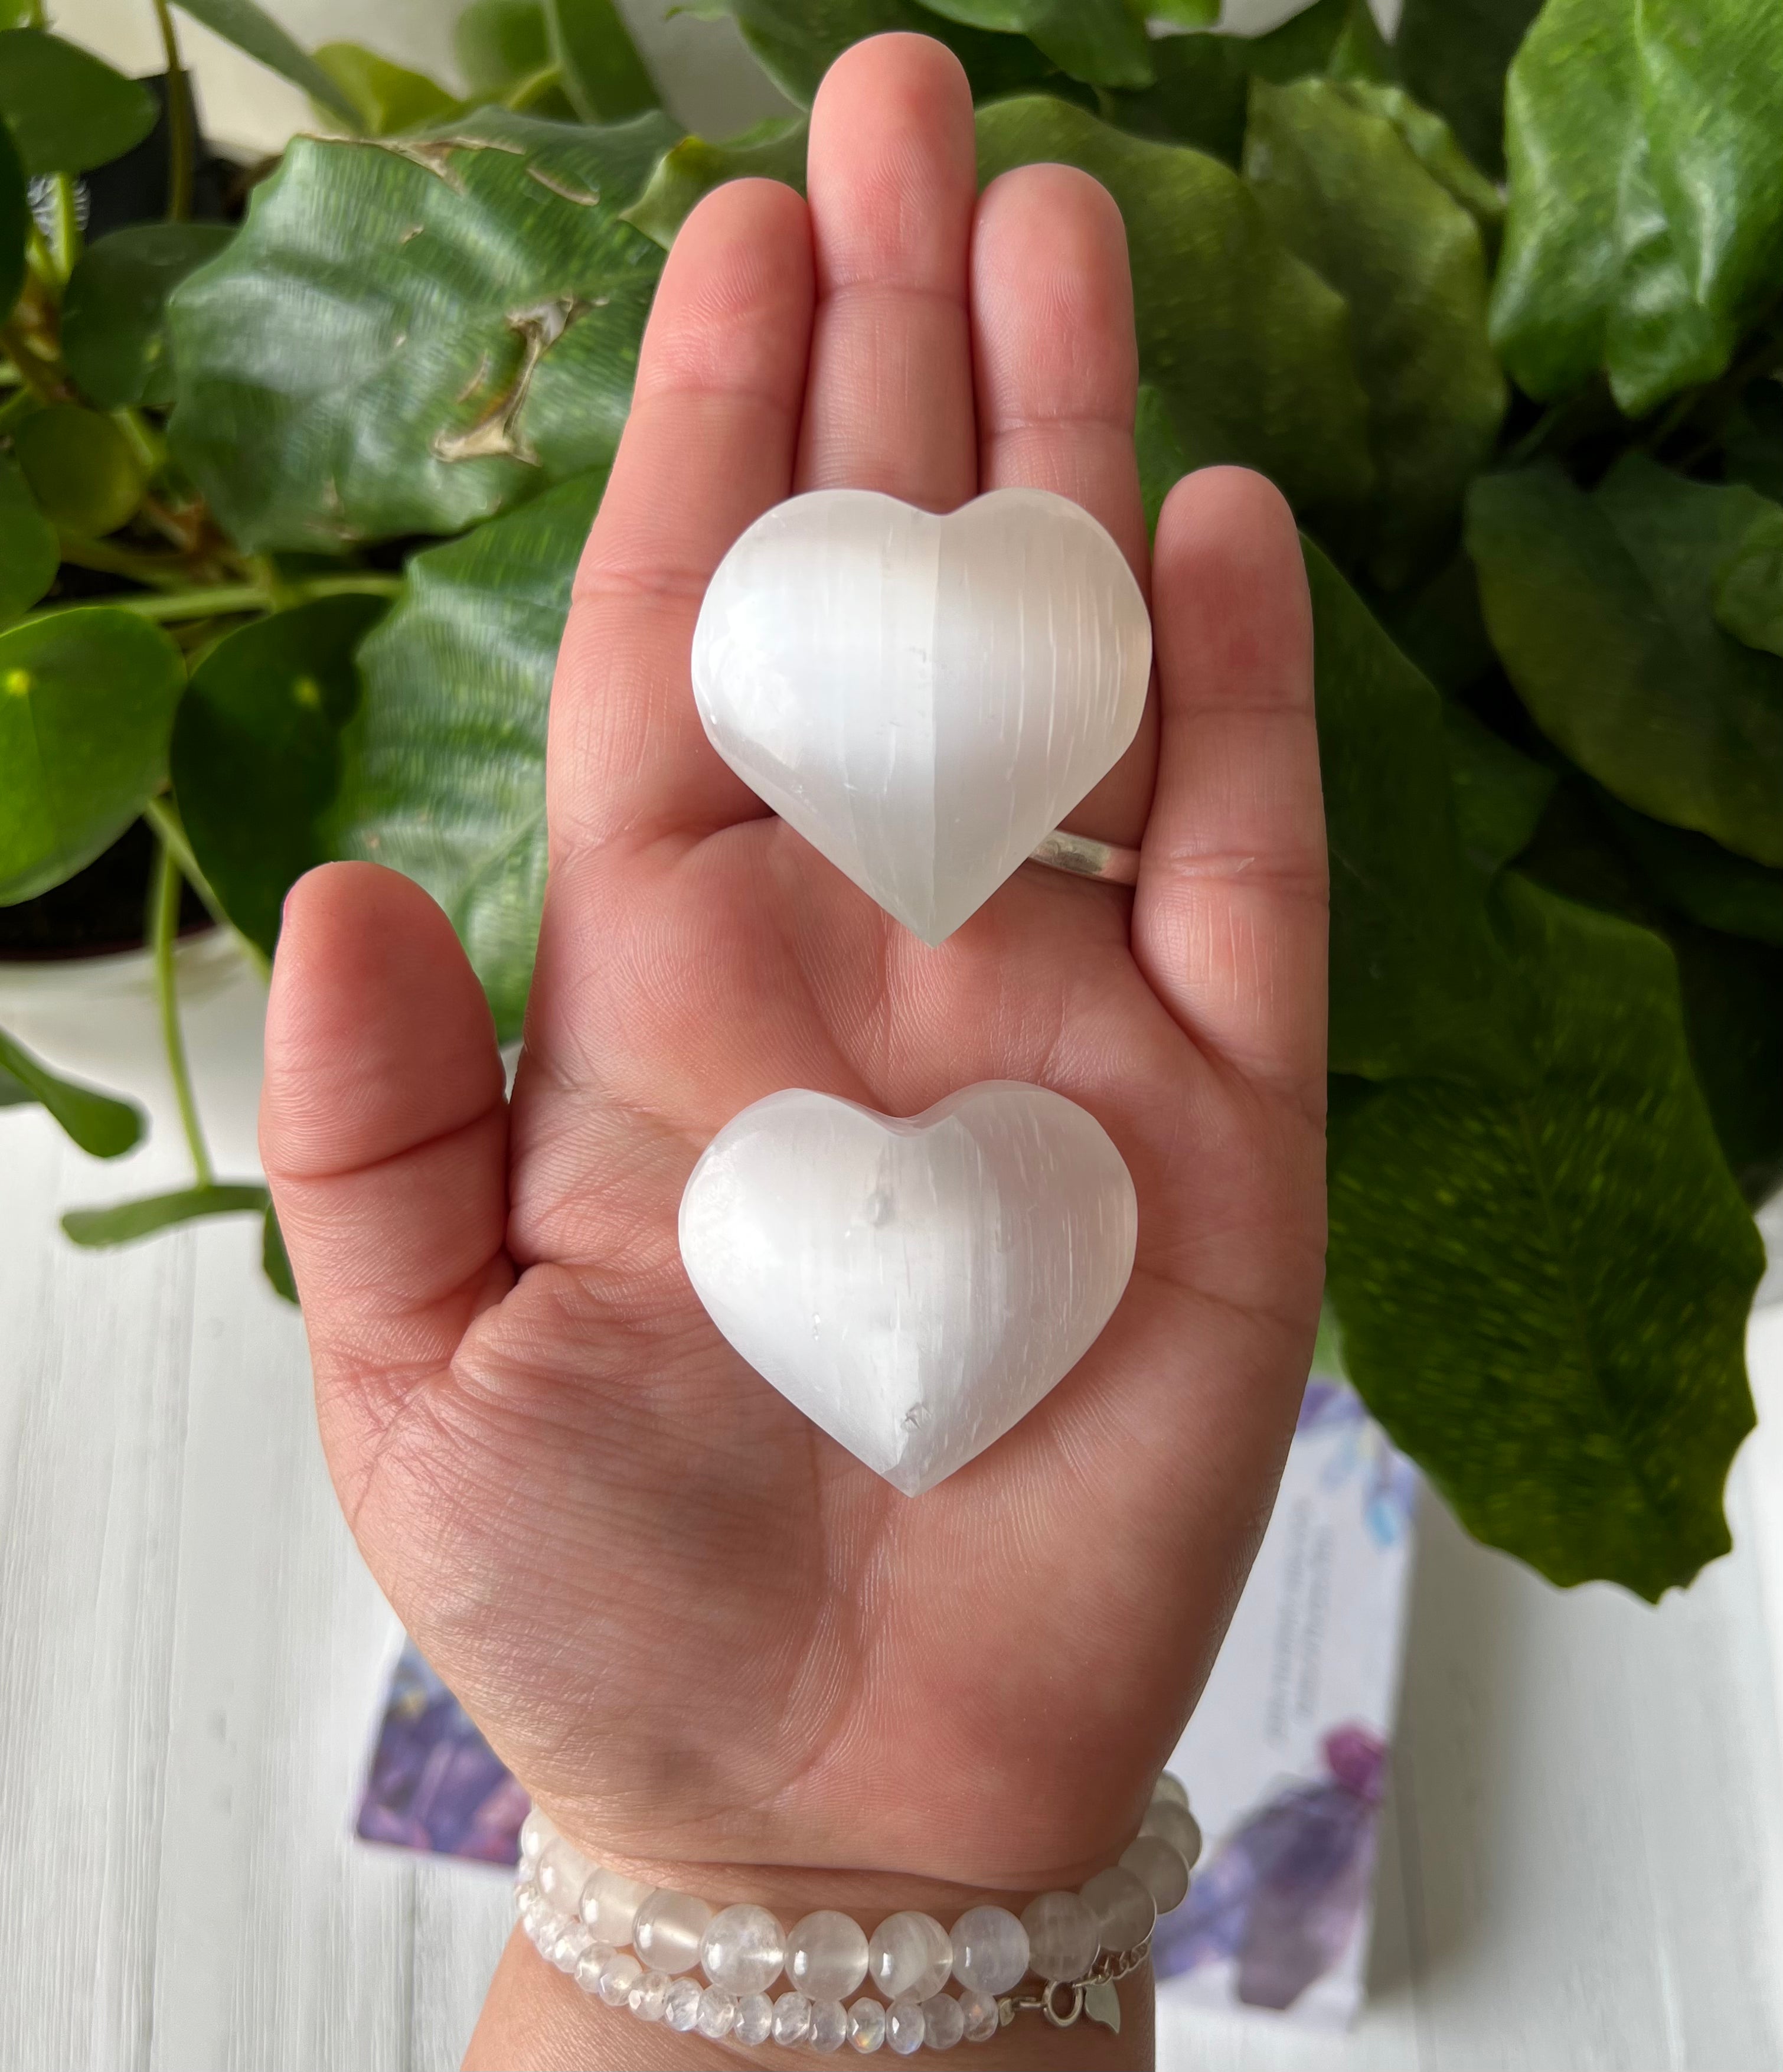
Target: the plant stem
pixel 163 932
pixel 215 600
pixel 20 405
pixel 165 570
pixel 534 88
pixel 181 131
pixel 41 381
pixel 65 225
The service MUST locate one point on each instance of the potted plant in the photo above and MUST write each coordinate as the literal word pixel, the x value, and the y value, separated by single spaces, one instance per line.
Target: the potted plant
pixel 289 511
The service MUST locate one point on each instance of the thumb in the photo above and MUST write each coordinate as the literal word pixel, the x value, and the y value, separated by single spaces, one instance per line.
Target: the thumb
pixel 384 1132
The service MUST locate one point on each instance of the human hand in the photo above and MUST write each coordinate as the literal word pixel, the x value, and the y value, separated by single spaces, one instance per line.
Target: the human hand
pixel 700 1633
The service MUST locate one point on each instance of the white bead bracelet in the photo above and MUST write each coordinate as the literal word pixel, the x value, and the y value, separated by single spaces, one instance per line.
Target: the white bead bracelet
pixel 1078 1944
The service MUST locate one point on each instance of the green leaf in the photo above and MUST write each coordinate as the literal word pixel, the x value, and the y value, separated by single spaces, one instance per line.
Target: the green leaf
pixel 256 755
pixel 1645 224
pixel 86 475
pixel 773 150
pixel 30 553
pixel 1199 98
pixel 1097 41
pixel 14 222
pixel 411 334
pixel 1309 43
pixel 1248 347
pixel 500 43
pixel 1453 55
pixel 1343 191
pixel 67 112
pixel 102 1125
pixel 1433 144
pixel 1500 793
pixel 1162 461
pixel 1544 1290
pixel 445 776
pixel 1185 14
pixel 1601 609
pixel 114 334
pixel 1418 981
pixel 87 699
pixel 603 75
pixel 252 29
pixel 1748 591
pixel 797 42
pixel 123 1223
pixel 275 1262
pixel 1699 877
pixel 386 98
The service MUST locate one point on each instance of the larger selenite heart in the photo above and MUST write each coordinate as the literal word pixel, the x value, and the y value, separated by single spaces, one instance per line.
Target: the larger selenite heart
pixel 922 697
pixel 914 1288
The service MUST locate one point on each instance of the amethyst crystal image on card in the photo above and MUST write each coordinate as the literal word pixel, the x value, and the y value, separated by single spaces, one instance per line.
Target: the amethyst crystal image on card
pixel 435 1784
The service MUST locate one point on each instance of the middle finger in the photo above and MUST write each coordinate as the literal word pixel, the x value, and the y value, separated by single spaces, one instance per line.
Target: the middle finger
pixel 892 178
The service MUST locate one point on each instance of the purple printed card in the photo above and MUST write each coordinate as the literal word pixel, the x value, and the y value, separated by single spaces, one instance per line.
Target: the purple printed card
pixel 435 1782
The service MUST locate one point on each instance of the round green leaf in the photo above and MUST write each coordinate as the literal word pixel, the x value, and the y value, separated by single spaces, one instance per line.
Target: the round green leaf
pixel 409 334
pixel 1601 607
pixel 86 475
pixel 1748 592
pixel 1097 41
pixel 255 753
pixel 388 97
pixel 29 550
pixel 14 222
pixel 113 315
pixel 444 775
pixel 102 1125
pixel 773 150
pixel 798 40
pixel 499 43
pixel 123 1223
pixel 67 112
pixel 1248 347
pixel 87 699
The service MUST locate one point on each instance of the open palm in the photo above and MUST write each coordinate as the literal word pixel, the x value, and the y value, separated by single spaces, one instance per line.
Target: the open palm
pixel 695 1627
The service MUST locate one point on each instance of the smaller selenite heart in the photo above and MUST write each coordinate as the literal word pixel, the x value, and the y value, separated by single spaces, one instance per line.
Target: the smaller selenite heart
pixel 922 697
pixel 915 1288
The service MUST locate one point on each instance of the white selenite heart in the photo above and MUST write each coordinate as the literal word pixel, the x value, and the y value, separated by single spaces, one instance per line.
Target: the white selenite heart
pixel 922 697
pixel 915 1288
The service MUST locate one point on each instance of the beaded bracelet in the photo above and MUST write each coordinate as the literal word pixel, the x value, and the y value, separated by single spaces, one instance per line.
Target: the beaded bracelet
pixel 581 1916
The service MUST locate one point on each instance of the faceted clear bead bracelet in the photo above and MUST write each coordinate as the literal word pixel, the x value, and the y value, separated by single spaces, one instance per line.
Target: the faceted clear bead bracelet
pixel 644 1947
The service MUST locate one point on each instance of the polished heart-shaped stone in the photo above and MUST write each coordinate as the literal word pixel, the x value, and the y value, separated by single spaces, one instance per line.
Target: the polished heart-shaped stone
pixel 922 697
pixel 914 1287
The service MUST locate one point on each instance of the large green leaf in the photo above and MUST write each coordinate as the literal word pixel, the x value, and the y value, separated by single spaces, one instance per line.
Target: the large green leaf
pixel 1418 981
pixel 798 40
pixel 1097 41
pixel 500 43
pixel 101 1124
pixel 1645 227
pixel 1543 1290
pixel 14 222
pixel 409 334
pixel 87 698
pixel 67 110
pixel 1699 877
pixel 386 98
pixel 114 334
pixel 1453 55
pixel 773 150
pixel 1433 144
pixel 1500 793
pixel 1749 588
pixel 123 1223
pixel 1248 347
pixel 30 553
pixel 603 75
pixel 1601 607
pixel 1342 189
pixel 445 776
pixel 1198 98
pixel 256 754
pixel 250 28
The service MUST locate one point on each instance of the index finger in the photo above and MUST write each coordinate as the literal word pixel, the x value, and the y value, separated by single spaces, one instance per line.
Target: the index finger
pixel 709 446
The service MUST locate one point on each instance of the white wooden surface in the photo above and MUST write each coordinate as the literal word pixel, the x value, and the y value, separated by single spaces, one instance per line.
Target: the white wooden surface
pixel 1582 1865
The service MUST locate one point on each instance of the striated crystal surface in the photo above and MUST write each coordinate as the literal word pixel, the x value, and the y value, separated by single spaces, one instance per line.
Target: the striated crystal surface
pixel 1159 1866
pixel 990 1949
pixel 829 2026
pixel 914 1287
pixel 943 2025
pixel 910 1954
pixel 1123 1905
pixel 754 2018
pixel 667 1930
pixel 1062 1937
pixel 611 1905
pixel 922 697
pixel 1177 1826
pixel 827 1955
pixel 743 1948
